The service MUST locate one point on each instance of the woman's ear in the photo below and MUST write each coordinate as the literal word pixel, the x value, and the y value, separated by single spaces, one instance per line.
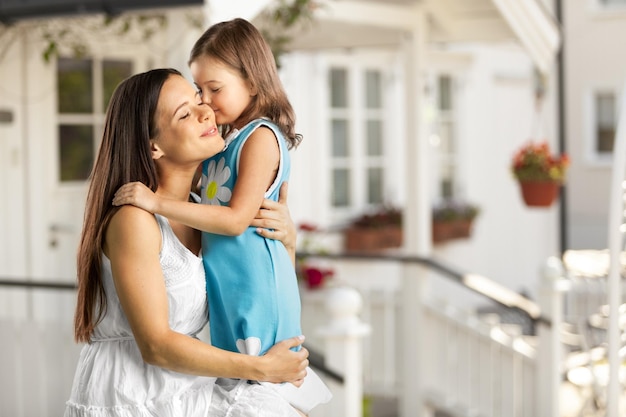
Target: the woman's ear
pixel 253 90
pixel 155 149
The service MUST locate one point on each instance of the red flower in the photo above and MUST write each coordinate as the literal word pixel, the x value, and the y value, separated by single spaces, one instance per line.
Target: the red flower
pixel 307 227
pixel 315 277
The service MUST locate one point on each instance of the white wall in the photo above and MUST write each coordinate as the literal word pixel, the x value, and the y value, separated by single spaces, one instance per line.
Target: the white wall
pixel 594 58
pixel 13 218
pixel 510 241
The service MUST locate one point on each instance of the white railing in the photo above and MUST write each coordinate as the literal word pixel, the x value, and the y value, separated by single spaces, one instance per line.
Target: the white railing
pixel 469 365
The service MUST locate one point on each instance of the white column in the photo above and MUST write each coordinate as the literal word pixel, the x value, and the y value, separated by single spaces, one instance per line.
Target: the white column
pixel 549 355
pixel 343 352
pixel 181 37
pixel 616 246
pixel 417 221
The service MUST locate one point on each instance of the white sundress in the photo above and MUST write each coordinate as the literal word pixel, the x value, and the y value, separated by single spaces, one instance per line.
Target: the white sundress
pixel 112 380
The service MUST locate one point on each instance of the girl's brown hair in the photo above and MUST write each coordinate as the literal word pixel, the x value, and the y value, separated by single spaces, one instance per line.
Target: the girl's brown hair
pixel 240 45
pixel 124 156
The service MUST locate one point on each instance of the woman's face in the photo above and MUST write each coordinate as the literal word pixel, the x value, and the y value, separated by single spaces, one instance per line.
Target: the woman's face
pixel 187 133
pixel 222 88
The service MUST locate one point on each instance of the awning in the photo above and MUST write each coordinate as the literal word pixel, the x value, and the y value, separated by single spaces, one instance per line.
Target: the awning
pixel 381 23
pixel 14 10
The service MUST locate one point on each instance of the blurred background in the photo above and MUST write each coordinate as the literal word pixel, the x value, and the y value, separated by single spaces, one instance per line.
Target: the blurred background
pixel 409 189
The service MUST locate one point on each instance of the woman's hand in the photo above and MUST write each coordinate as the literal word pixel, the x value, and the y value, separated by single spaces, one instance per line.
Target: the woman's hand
pixel 274 221
pixel 283 364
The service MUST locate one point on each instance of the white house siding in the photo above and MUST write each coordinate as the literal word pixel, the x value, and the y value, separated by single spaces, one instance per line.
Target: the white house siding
pixel 594 58
pixel 32 201
pixel 495 87
pixel 509 241
pixel 13 152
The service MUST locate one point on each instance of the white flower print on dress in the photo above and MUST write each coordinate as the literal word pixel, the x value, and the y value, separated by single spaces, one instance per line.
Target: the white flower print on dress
pixel 216 176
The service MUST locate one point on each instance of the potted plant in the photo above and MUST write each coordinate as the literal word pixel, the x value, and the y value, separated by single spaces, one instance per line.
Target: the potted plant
pixel 313 274
pixel 453 220
pixel 375 230
pixel 539 173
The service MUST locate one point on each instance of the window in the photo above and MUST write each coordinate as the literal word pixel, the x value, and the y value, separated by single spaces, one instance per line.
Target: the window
pixel 601 124
pixel 356 136
pixel 605 117
pixel 442 135
pixel 607 8
pixel 84 87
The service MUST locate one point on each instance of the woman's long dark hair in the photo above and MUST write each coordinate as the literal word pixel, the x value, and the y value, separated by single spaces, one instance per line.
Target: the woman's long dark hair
pixel 124 156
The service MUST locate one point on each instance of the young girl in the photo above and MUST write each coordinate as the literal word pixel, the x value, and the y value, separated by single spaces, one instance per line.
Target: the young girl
pixel 251 282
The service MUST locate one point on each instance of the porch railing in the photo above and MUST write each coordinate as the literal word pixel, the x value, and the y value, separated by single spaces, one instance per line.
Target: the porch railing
pixel 469 365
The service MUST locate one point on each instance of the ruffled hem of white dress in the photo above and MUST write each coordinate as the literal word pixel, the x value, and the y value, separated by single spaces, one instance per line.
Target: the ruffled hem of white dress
pixel 190 404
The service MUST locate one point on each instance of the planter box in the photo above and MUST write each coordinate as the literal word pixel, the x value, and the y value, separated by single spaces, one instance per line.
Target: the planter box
pixel 456 229
pixel 357 239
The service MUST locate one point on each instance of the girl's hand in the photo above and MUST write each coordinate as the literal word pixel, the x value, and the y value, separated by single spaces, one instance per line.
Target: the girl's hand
pixel 136 194
pixel 283 364
pixel 274 221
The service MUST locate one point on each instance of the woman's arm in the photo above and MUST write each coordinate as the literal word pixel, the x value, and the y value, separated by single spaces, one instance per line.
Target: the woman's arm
pixel 132 243
pixel 258 165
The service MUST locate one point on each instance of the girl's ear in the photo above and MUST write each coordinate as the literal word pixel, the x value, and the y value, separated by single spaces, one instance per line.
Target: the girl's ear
pixel 155 149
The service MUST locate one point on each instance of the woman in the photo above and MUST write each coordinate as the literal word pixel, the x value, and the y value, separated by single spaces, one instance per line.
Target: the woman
pixel 141 297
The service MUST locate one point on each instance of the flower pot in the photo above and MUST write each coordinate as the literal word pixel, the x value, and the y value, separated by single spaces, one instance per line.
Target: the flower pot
pixel 539 193
pixel 443 231
pixel 453 229
pixel 361 239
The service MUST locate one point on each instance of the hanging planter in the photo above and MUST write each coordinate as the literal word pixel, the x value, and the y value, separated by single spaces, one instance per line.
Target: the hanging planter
pixel 539 193
pixel 539 173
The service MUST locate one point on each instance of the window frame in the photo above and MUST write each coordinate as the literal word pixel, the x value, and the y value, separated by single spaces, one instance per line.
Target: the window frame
pixel 592 157
pixel 95 118
pixel 601 10
pixel 358 162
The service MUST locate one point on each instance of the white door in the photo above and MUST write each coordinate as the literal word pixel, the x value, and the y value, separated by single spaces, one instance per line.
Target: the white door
pixel 61 154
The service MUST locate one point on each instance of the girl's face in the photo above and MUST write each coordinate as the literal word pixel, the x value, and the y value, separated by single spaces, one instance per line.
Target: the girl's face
pixel 187 133
pixel 222 88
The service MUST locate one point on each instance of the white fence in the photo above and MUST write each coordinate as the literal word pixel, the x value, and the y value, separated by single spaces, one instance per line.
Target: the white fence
pixel 468 365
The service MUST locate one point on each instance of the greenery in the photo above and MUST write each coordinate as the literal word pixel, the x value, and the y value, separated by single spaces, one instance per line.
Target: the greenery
pixel 535 162
pixel 279 24
pixel 71 34
pixel 451 210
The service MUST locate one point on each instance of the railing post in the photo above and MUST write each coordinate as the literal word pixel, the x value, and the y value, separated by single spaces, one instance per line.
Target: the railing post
pixel 549 354
pixel 343 348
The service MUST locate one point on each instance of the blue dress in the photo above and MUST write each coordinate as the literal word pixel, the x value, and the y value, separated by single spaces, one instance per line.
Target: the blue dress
pixel 252 289
pixel 254 301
